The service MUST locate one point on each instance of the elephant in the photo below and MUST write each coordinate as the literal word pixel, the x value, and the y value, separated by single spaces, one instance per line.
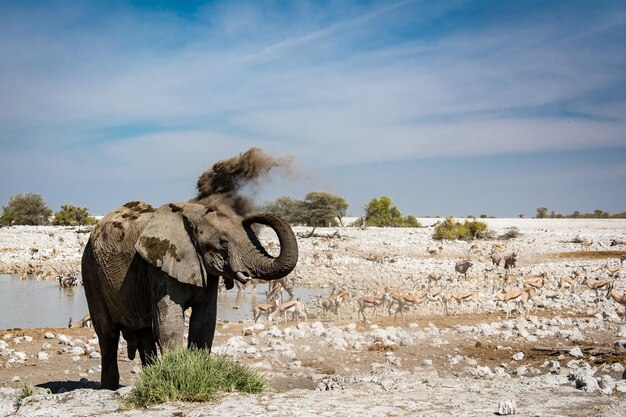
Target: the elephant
pixel 143 267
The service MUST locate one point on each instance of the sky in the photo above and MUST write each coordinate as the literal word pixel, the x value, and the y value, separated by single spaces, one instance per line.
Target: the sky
pixel 449 107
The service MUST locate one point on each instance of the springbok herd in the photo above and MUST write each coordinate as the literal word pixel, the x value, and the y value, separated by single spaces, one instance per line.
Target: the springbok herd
pixel 513 276
pixel 513 293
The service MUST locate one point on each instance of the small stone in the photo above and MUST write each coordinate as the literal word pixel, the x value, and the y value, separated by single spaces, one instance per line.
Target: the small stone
pixel 64 340
pixel 427 362
pixel 15 379
pixel 135 370
pixel 48 335
pixel 576 352
pixel 506 408
pixel 42 356
pixel 518 356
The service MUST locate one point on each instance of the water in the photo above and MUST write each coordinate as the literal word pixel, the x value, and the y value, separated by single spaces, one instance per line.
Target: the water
pixel 38 303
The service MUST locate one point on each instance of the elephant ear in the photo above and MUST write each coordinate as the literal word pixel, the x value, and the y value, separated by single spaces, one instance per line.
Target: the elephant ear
pixel 166 243
pixel 113 239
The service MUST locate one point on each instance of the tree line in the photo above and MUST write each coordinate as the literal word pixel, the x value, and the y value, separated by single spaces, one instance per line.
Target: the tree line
pixel 322 209
pixel 542 213
pixel 317 209
pixel 31 209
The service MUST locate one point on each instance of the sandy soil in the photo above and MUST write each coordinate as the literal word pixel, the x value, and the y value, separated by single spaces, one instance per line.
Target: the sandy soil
pixel 483 354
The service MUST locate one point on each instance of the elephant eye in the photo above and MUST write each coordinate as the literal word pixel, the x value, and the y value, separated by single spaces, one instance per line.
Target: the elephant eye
pixel 224 242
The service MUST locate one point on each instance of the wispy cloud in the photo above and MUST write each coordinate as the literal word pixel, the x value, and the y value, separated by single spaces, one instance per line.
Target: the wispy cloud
pixel 352 84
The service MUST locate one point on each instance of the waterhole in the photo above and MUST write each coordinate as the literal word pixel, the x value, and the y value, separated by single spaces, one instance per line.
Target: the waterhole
pixel 32 303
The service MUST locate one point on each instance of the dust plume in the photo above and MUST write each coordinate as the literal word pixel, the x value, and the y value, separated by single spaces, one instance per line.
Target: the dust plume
pixel 222 183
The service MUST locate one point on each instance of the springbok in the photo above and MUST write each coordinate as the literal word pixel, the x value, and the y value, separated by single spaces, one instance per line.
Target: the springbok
pixel 294 307
pixel 597 286
pixel 620 299
pixel 516 297
pixel 372 302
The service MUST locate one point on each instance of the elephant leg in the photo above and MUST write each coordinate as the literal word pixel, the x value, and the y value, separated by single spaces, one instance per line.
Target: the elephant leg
pixel 203 319
pixel 168 300
pixel 147 346
pixel 168 323
pixel 110 378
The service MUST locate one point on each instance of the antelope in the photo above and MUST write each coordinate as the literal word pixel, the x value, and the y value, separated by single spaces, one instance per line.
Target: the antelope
pixel 614 269
pixel 432 277
pixel 434 250
pixel 294 307
pixel 409 300
pixel 510 260
pixel 84 322
pixel 496 258
pixel 462 266
pixel 619 298
pixel 567 283
pixel 460 297
pixel 371 301
pixel 329 258
pixel 597 286
pixel 327 304
pixel 443 296
pixel 264 308
pixel 277 286
pixel 316 259
pixel 517 297
pixel 339 298
pixel 535 282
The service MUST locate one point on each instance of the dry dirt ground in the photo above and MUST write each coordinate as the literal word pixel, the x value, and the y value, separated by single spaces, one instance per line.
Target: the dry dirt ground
pixel 470 357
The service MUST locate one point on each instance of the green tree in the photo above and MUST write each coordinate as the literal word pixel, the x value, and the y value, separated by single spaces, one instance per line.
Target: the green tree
pixel 324 209
pixel 73 216
pixel 381 212
pixel 26 209
pixel 290 209
pixel 542 213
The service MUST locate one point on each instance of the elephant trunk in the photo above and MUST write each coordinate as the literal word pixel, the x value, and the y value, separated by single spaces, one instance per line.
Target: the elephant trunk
pixel 262 264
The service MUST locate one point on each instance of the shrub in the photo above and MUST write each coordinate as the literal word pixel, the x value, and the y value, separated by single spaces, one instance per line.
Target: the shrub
pixel 73 216
pixel 512 233
pixel 26 209
pixel 451 230
pixel 380 212
pixel 192 375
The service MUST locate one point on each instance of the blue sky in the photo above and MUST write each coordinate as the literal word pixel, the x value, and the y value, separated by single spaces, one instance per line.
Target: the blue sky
pixel 448 107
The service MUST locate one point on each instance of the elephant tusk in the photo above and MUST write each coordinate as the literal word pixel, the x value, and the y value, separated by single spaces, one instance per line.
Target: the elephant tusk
pixel 242 278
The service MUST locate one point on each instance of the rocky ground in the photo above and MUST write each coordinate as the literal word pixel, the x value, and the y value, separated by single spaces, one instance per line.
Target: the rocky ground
pixel 567 359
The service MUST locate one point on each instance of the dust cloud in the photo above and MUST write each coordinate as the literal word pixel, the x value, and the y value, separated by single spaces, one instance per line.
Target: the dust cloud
pixel 221 186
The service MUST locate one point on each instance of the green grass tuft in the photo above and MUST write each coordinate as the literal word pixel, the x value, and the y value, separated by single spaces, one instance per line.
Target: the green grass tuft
pixel 192 375
pixel 26 391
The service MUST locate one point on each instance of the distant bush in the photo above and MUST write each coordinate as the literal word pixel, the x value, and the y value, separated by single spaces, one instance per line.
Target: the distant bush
pixel 73 216
pixel 26 209
pixel 380 212
pixel 512 233
pixel 192 375
pixel 451 230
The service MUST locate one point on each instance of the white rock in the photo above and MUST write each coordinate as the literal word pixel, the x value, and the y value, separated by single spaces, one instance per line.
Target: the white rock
pixel 48 335
pixel 42 356
pixel 518 356
pixel 576 352
pixel 94 355
pixel 506 408
pixel 64 340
